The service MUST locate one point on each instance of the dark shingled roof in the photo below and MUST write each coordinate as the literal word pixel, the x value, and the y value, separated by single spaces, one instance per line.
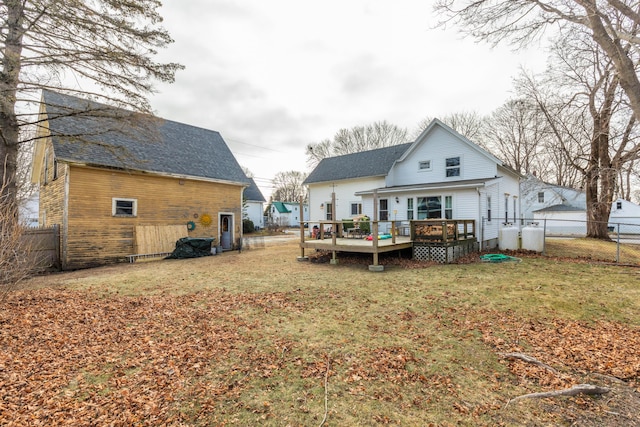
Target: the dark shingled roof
pixel 376 162
pixel 560 208
pixel 91 133
pixel 253 193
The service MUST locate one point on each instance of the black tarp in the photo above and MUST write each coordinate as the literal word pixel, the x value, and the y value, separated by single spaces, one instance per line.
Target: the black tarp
pixel 192 247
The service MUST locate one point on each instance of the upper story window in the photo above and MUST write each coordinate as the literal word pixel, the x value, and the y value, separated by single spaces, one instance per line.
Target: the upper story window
pixel 424 165
pixel 452 165
pixel 618 205
pixel 541 197
pixel 124 207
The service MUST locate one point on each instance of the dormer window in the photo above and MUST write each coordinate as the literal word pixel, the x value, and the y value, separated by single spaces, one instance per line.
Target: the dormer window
pixel 452 165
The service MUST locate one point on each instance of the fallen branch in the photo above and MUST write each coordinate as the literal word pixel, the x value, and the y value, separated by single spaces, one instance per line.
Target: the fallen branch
pixel 528 359
pixel 326 393
pixel 588 389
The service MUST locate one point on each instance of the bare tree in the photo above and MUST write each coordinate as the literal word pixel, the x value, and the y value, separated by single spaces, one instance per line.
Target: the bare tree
pixel 355 140
pixel 16 264
pixel 288 186
pixel 104 44
pixel 612 24
pixel 589 119
pixel 515 133
pixel 467 123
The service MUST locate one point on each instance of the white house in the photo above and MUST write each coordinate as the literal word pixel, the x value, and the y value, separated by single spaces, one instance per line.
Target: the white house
pixel 440 175
pixel 287 214
pixel 28 210
pixel 253 206
pixel 537 195
pixel 563 210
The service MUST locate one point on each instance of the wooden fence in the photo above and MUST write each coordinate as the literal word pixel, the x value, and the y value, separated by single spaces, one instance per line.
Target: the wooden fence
pixel 43 245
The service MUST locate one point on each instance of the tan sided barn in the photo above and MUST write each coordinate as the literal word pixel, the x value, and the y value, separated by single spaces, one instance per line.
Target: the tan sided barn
pixel 121 183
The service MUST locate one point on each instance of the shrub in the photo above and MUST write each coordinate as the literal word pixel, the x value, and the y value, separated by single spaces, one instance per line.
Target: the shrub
pixel 16 264
pixel 248 226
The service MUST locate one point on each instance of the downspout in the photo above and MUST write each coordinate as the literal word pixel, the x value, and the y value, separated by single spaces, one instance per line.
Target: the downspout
pixel 480 221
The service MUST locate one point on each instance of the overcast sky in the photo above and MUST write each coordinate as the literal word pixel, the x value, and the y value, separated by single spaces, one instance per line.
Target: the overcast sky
pixel 273 76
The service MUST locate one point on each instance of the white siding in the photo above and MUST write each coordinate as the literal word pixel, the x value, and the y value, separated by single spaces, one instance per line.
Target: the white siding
pixel 255 212
pixel 436 147
pixel 320 195
pixel 563 223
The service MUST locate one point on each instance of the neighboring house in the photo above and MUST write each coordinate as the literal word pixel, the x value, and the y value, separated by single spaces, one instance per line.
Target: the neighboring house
pixel 103 172
pixel 287 214
pixel 28 211
pixel 564 210
pixel 253 208
pixel 537 195
pixel 440 175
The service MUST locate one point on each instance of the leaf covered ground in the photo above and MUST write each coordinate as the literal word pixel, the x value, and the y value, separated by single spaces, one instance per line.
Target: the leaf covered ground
pixel 289 343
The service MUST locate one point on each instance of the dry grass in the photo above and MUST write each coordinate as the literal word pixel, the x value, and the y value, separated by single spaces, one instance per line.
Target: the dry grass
pixel 246 338
pixel 594 250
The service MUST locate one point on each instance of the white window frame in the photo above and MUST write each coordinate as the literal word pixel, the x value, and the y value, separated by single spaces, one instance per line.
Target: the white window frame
pixel 358 209
pixel 425 165
pixel 134 206
pixel 448 168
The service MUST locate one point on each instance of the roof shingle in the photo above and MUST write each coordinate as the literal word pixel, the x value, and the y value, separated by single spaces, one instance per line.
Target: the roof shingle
pixel 84 131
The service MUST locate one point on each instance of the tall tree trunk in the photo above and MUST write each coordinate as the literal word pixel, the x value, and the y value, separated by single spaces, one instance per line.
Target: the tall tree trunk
pixel 624 65
pixel 9 127
pixel 600 179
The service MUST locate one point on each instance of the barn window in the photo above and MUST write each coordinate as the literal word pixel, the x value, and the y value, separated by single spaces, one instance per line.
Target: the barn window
pixel 124 207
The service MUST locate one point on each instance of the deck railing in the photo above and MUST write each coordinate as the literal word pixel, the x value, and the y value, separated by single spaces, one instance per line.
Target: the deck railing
pixel 442 230
pixel 428 230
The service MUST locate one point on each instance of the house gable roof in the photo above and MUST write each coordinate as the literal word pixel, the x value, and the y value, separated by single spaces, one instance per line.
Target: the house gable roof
pixel 95 134
pixel 364 164
pixel 281 207
pixel 252 193
pixel 437 123
pixel 560 208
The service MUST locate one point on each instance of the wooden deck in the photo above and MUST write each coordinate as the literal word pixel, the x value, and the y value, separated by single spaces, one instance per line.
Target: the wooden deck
pixel 361 245
pixel 448 235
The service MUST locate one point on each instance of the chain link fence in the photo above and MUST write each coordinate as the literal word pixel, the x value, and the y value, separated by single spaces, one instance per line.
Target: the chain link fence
pixel 567 238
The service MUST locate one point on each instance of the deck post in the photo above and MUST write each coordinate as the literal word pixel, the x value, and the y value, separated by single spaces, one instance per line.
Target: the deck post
pixel 374 235
pixel 302 257
pixel 334 228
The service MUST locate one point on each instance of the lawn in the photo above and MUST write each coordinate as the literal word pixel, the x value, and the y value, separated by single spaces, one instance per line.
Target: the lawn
pixel 259 338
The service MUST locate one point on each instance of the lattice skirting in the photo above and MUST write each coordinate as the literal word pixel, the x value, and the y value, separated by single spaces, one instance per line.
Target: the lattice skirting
pixel 443 252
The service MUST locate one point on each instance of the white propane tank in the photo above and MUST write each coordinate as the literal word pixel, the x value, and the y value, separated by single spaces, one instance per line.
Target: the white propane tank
pixel 508 239
pixel 533 237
